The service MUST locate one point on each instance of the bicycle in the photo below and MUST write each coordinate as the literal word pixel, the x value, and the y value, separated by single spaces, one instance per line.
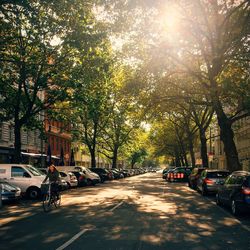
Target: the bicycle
pixel 50 197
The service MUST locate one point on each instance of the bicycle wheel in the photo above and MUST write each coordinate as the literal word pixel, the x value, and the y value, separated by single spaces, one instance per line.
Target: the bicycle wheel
pixel 46 203
pixel 57 202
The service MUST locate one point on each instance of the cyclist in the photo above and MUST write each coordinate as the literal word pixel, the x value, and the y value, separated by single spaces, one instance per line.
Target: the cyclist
pixel 53 176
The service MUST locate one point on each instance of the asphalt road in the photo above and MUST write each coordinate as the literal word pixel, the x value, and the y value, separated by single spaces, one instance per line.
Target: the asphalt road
pixel 140 213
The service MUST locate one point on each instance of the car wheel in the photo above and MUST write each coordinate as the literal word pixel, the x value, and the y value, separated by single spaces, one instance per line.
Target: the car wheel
pixel 234 208
pixel 218 201
pixel 33 193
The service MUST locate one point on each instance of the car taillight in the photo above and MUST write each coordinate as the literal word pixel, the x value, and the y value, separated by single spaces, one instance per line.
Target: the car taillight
pixel 208 181
pixel 171 175
pixel 245 191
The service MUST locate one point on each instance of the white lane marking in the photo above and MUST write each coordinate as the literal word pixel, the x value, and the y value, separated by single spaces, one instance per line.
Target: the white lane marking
pixel 115 207
pixel 75 237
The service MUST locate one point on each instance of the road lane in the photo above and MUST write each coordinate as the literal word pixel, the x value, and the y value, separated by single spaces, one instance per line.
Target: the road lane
pixel 141 212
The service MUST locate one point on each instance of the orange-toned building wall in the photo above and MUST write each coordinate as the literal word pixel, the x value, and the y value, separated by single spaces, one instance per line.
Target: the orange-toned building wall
pixel 58 136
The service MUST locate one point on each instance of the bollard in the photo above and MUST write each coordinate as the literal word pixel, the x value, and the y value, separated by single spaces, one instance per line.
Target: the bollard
pixel 0 195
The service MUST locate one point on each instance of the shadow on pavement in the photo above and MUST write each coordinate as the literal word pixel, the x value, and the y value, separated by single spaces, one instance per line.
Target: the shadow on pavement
pixel 153 215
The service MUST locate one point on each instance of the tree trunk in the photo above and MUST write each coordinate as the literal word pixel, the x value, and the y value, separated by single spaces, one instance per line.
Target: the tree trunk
pixel 203 148
pixel 177 158
pixel 17 142
pixel 191 150
pixel 93 160
pixel 114 159
pixel 227 136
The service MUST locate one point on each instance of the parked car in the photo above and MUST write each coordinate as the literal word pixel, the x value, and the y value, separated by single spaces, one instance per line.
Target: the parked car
pixel 81 178
pixel 110 174
pixel 103 173
pixel 117 174
pixel 9 192
pixel 26 177
pixel 43 170
pixel 210 180
pixel 165 172
pixel 125 172
pixel 70 178
pixel 63 185
pixel 194 176
pixel 178 174
pixel 91 177
pixel 235 192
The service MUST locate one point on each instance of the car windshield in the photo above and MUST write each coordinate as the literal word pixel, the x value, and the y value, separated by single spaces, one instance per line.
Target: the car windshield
pixel 219 174
pixel 34 171
pixel 7 186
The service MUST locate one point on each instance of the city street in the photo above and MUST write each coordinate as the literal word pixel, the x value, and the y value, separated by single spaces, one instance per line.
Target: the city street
pixel 141 212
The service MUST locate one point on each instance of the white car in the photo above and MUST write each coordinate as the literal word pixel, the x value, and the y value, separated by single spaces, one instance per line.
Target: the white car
pixel 26 177
pixel 69 177
pixel 91 177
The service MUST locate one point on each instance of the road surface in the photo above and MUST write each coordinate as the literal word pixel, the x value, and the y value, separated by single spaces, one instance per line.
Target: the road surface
pixel 138 213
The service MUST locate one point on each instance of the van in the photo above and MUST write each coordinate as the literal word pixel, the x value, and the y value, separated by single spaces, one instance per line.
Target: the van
pixel 26 177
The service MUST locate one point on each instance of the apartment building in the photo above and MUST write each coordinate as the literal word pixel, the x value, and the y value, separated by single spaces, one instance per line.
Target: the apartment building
pixel 32 146
pixel 59 138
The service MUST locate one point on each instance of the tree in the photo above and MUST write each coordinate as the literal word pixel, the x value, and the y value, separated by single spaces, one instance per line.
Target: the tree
pixel 138 156
pixel 123 118
pixel 91 75
pixel 167 140
pixel 32 67
pixel 210 44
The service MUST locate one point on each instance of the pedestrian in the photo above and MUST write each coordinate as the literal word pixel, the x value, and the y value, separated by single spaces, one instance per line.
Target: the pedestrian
pixel 54 179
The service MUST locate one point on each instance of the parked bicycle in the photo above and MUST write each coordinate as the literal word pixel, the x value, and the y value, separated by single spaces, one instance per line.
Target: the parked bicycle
pixel 51 197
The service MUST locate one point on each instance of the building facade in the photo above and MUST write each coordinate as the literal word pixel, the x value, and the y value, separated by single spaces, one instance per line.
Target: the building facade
pixel 32 145
pixel 59 138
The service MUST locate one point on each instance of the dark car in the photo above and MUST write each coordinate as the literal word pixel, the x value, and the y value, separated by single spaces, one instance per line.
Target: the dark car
pixel 178 174
pixel 210 180
pixel 81 178
pixel 164 172
pixel 117 174
pixel 194 176
pixel 125 172
pixel 103 173
pixel 235 192
pixel 9 192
